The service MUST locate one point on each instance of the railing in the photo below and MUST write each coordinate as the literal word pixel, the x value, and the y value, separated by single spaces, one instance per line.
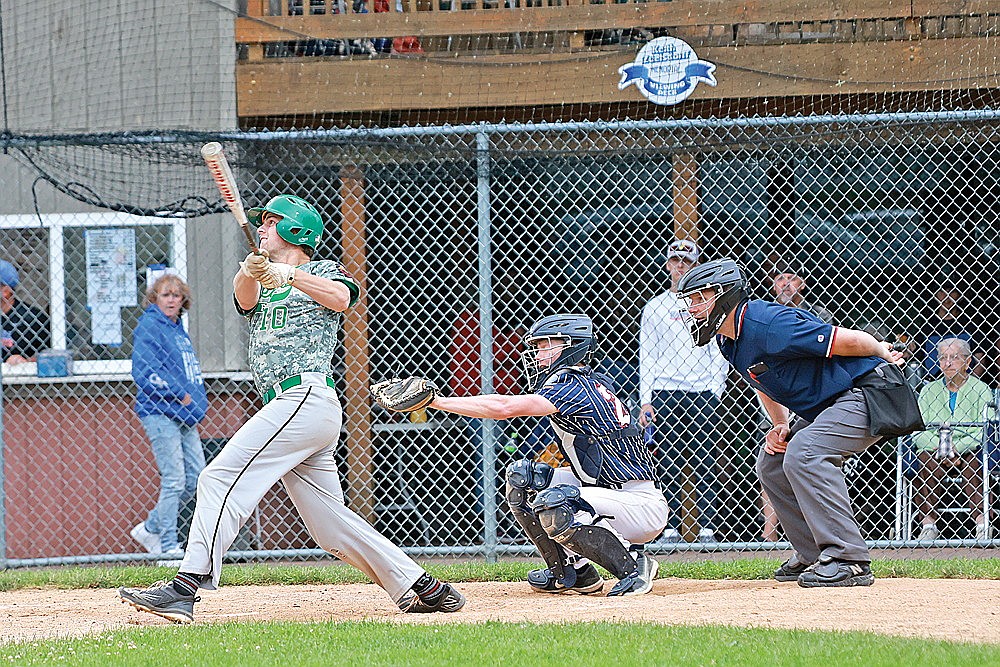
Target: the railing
pixel 572 23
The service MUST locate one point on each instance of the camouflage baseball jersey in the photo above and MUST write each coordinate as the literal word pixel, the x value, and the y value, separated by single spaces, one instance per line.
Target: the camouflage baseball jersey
pixel 290 333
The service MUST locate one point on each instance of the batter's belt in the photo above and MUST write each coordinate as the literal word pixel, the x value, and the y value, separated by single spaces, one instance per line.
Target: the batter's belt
pixel 314 379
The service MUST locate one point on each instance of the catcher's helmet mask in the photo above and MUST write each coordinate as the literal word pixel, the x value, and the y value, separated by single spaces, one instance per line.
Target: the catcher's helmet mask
pixel 727 280
pixel 578 346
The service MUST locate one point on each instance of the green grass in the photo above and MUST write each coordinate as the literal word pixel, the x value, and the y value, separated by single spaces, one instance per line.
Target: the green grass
pixel 372 643
pixel 237 575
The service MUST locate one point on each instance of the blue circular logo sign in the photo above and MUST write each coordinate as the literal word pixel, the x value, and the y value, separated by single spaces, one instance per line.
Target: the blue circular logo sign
pixel 666 71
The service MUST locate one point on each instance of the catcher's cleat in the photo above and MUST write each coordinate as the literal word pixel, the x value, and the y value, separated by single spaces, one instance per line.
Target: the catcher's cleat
pixel 161 599
pixel 639 582
pixel 588 581
pixel 791 569
pixel 831 572
pixel 451 601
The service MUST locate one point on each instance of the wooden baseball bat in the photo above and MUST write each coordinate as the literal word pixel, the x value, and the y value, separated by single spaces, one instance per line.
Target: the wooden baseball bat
pixel 226 182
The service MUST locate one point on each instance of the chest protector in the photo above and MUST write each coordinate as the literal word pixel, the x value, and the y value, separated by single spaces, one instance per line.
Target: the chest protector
pixel 606 460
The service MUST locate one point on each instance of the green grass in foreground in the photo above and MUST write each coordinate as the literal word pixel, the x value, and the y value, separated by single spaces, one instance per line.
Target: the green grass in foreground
pixel 385 643
pixel 237 575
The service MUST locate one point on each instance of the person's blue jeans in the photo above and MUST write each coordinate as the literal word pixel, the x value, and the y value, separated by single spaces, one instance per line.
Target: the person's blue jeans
pixel 686 425
pixel 179 460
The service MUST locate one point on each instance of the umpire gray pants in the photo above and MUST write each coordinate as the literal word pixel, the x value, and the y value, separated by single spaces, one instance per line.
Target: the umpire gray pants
pixel 806 484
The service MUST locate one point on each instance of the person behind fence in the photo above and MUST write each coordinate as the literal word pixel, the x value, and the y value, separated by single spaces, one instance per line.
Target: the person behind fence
pixel 789 289
pixel 605 505
pixel 294 306
pixel 170 401
pixel 822 373
pixel 680 388
pixel 956 397
pixel 949 316
pixel 24 329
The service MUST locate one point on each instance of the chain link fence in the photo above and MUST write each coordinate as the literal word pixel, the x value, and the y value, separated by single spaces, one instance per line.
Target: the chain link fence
pixel 462 237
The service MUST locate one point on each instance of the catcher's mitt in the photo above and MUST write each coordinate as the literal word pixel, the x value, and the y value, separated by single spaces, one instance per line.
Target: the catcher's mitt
pixel 404 394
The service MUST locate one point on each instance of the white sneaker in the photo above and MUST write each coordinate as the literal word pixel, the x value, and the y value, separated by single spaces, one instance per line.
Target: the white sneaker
pixel 670 536
pixel 981 532
pixel 706 535
pixel 149 541
pixel 171 558
pixel 928 532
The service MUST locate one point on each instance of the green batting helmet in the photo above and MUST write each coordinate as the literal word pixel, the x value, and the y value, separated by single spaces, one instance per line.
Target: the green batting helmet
pixel 300 222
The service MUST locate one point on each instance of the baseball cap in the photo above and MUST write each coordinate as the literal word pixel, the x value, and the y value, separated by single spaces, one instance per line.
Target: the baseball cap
pixel 8 274
pixel 685 249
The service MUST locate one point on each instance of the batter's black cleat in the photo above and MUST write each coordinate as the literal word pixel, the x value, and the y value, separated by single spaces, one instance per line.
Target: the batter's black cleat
pixel 588 581
pixel 832 572
pixel 790 570
pixel 451 601
pixel 639 582
pixel 161 599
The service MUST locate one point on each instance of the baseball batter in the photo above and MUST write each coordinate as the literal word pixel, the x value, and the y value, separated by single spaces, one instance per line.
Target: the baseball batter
pixel 294 307
pixel 605 506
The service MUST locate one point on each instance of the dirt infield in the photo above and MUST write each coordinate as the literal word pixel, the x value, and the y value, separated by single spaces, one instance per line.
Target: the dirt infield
pixel 957 610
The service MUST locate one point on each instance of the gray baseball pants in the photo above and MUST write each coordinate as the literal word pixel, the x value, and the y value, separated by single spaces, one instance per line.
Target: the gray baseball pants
pixel 292 439
pixel 806 484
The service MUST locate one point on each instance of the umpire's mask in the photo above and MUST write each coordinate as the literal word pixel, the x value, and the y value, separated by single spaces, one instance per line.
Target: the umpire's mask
pixel 727 281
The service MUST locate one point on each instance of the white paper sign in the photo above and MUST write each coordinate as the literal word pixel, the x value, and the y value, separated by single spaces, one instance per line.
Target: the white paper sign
pixel 110 267
pixel 106 324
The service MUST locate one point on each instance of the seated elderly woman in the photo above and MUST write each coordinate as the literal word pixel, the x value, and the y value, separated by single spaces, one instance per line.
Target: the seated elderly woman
pixel 956 397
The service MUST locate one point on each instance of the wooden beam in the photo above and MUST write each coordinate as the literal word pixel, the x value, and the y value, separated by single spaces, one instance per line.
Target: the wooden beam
pixel 357 367
pixel 583 16
pixel 685 189
pixel 314 86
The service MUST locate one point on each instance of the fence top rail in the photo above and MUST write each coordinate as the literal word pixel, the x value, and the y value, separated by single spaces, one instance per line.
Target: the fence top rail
pixel 334 134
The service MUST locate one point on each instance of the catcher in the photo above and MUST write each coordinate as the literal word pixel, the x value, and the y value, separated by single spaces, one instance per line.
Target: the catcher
pixel 604 506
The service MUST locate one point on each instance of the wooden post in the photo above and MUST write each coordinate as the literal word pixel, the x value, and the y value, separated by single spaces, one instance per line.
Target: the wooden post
pixel 256 8
pixel 686 197
pixel 357 409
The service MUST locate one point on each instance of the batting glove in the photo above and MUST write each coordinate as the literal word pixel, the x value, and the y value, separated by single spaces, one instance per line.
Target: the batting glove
pixel 277 275
pixel 255 265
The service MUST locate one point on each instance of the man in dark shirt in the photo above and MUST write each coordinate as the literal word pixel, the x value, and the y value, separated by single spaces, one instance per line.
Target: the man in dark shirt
pixel 796 362
pixel 24 330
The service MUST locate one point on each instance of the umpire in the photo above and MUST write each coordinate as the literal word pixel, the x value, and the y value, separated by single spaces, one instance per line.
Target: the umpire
pixel 797 362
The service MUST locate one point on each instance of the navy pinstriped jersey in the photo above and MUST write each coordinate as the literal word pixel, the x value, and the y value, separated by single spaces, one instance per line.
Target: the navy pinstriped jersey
pixel 591 415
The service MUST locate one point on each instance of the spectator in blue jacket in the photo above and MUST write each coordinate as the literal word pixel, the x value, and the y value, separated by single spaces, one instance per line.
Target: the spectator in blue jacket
pixel 170 401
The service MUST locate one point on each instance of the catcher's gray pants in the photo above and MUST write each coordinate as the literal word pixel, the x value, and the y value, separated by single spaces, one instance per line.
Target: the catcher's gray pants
pixel 292 438
pixel 806 484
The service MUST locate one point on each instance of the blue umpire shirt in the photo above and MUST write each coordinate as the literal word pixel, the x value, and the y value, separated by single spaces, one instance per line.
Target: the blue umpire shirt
pixel 786 353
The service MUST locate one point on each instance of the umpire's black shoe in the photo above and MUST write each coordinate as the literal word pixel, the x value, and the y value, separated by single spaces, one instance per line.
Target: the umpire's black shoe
pixel 832 572
pixel 588 580
pixel 791 569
